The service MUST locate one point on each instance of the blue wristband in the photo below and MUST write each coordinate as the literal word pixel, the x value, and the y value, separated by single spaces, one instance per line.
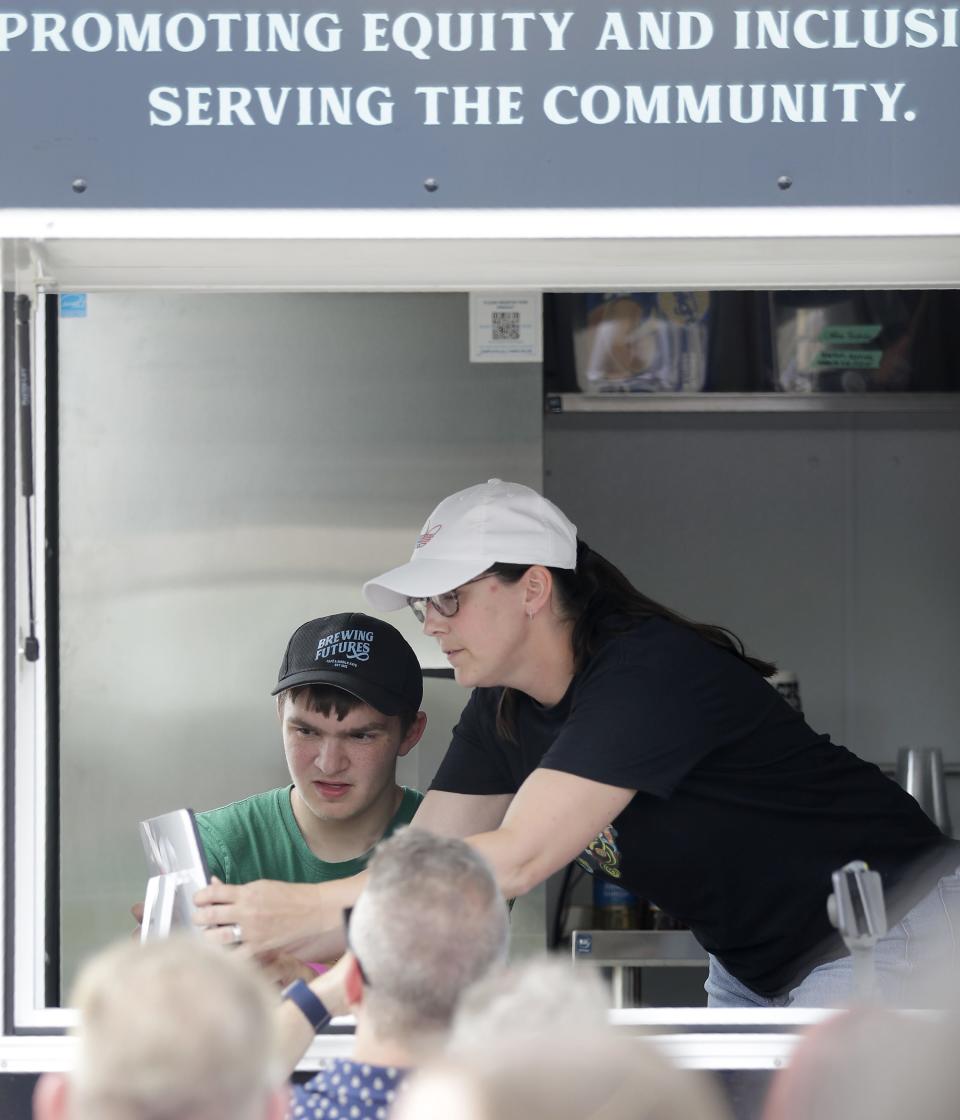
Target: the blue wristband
pixel 310 1004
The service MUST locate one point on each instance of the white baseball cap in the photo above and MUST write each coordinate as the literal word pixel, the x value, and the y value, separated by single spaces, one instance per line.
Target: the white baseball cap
pixel 495 522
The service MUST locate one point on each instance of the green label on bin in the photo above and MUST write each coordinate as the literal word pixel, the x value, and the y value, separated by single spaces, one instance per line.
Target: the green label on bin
pixel 849 359
pixel 850 333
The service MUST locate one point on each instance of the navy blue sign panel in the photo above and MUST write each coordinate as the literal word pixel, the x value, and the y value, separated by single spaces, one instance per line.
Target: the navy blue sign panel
pixel 387 105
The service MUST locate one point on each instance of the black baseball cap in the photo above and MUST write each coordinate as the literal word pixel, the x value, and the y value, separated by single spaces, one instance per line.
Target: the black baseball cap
pixel 364 656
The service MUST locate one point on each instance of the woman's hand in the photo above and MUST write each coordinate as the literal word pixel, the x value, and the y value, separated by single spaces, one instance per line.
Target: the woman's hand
pixel 265 916
pixel 304 919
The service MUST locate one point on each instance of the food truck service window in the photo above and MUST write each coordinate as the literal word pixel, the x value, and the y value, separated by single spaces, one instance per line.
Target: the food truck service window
pixel 236 323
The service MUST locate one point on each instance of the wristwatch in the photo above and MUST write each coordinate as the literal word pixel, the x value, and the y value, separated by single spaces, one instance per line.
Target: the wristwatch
pixel 312 1006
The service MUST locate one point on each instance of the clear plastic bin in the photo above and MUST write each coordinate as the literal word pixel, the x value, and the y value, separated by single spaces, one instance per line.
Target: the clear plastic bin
pixel 643 342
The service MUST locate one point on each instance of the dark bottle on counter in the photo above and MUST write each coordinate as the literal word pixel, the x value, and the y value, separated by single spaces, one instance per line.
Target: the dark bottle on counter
pixel 660 919
pixel 614 907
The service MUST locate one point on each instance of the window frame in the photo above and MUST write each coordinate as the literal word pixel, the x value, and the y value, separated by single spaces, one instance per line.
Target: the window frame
pixel 583 250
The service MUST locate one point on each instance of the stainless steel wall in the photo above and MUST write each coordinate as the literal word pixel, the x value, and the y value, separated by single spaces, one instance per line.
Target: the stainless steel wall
pixel 229 467
pixel 830 543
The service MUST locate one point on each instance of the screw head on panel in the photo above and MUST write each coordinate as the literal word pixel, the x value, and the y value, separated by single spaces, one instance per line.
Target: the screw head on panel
pixel 784 182
pixel 78 186
pixel 430 185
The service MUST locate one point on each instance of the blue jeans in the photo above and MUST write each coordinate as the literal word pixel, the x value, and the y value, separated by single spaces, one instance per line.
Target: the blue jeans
pixel 917 963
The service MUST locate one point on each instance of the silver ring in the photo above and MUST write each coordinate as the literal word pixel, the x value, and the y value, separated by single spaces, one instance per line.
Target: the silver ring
pixel 236 934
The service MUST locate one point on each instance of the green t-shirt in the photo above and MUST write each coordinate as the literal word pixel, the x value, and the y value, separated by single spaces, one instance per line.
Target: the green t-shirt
pixel 259 838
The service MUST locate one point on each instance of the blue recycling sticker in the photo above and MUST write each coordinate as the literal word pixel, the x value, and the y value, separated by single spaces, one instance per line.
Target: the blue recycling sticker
pixel 73 305
pixel 584 944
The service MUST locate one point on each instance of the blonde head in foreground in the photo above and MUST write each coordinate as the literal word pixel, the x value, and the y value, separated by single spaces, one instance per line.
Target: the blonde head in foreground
pixel 169 1030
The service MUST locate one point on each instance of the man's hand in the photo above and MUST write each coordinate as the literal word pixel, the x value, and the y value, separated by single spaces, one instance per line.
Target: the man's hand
pixel 331 986
pixel 304 919
pixel 295 1033
pixel 283 968
pixel 137 911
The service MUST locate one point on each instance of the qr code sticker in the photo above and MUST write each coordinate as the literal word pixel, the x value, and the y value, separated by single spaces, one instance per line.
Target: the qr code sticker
pixel 505 325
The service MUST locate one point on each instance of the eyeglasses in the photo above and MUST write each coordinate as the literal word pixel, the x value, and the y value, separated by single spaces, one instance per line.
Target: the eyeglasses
pixel 346 933
pixel 446 604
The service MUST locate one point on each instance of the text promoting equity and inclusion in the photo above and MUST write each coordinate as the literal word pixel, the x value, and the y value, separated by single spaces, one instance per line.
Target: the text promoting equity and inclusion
pixel 423 36
pixel 379 69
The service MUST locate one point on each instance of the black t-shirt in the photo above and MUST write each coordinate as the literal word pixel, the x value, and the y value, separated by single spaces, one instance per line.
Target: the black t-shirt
pixel 742 812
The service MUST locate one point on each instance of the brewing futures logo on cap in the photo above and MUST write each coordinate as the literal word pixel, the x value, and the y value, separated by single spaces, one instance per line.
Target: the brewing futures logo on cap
pixel 355 645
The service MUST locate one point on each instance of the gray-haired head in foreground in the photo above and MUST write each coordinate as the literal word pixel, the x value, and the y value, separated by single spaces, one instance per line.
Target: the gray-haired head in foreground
pixel 535 1040
pixel 872 1062
pixel 430 922
pixel 604 1077
pixel 173 1030
pixel 540 996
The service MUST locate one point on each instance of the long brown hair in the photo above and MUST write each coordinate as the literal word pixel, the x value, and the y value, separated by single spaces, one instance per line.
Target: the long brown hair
pixel 603 602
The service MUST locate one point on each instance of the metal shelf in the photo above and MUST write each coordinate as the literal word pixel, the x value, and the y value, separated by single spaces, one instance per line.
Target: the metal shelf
pixel 626 952
pixel 638 948
pixel 950 769
pixel 559 403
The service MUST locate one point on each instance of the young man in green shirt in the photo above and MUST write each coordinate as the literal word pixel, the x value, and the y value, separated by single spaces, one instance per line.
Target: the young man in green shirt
pixel 348 698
